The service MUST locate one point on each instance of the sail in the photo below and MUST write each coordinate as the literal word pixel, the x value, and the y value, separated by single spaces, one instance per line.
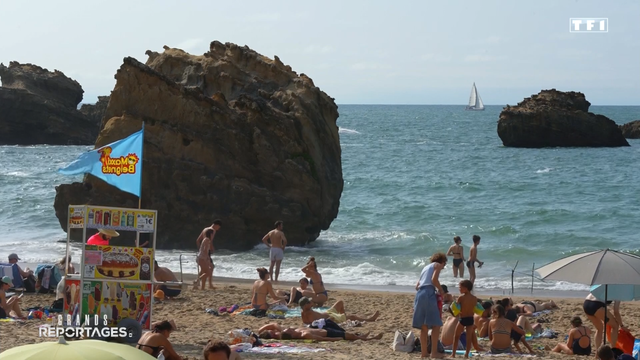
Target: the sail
pixel 479 104
pixel 474 95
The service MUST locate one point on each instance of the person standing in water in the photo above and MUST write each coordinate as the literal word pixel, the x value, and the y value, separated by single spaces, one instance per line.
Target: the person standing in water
pixel 276 241
pixel 473 259
pixel 457 251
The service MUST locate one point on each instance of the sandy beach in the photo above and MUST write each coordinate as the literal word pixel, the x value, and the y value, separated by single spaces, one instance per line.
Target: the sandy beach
pixel 196 326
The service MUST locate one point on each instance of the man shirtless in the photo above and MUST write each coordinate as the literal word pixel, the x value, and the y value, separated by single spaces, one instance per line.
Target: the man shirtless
pixel 335 313
pixel 217 224
pixel 275 331
pixel 473 259
pixel 162 274
pixel 276 241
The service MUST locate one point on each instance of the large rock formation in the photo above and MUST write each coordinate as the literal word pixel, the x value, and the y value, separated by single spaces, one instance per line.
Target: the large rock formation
pixel 95 112
pixel 557 119
pixel 631 130
pixel 40 107
pixel 230 134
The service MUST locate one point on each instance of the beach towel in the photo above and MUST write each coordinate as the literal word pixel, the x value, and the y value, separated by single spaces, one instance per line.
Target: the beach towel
pixel 538 313
pixel 276 348
pixel 297 312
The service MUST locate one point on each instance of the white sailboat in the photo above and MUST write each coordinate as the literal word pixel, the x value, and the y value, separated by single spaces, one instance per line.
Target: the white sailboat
pixel 475 102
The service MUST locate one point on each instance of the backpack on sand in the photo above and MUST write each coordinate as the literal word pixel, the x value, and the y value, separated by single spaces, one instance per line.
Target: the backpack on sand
pixel 403 342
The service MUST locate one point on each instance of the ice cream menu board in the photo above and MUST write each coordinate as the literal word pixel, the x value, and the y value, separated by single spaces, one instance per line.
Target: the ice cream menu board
pixel 117 301
pixel 117 262
pixel 120 219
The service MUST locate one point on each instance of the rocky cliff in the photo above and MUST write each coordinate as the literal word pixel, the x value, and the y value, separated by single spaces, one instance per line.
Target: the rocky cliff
pixel 40 107
pixel 95 112
pixel 631 130
pixel 230 134
pixel 557 119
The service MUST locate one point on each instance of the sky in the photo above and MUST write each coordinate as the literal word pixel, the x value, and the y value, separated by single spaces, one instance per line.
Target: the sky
pixel 357 51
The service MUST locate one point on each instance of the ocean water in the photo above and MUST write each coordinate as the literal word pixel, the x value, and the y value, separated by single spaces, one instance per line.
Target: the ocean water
pixel 415 176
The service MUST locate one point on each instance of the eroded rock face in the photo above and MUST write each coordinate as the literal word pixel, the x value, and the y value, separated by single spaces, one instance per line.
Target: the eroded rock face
pixel 36 80
pixel 557 119
pixel 95 112
pixel 631 130
pixel 40 107
pixel 231 135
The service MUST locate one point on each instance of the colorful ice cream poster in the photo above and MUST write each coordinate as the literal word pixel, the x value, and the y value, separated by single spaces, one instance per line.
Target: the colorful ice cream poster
pixel 116 301
pixel 71 298
pixel 76 217
pixel 124 263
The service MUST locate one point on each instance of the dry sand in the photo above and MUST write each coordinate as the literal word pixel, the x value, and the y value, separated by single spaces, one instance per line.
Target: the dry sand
pixel 196 326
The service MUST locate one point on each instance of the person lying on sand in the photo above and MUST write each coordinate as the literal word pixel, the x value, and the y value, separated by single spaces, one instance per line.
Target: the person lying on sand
pixel 522 321
pixel 335 313
pixel 275 331
pixel 528 308
pixel 157 341
pixel 293 297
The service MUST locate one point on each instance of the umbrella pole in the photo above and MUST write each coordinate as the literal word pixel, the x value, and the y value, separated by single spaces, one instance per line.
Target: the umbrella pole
pixel 604 337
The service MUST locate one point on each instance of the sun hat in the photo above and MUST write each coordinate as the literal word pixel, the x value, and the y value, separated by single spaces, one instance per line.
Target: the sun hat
pixel 14 256
pixel 159 294
pixel 109 232
pixel 7 280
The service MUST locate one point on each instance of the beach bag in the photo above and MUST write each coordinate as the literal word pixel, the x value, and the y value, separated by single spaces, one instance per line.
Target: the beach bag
pixel 403 342
pixel 625 341
pixel 30 284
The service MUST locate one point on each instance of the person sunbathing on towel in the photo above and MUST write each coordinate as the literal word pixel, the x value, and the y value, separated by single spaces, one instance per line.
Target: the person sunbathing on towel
pixel 528 308
pixel 275 331
pixel 335 313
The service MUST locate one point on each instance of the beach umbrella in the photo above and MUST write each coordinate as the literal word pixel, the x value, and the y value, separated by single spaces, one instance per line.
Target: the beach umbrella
pixel 603 267
pixel 75 350
pixel 616 292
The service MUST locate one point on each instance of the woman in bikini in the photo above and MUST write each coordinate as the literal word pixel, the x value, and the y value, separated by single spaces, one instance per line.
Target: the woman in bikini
pixel 500 329
pixel 261 288
pixel 528 308
pixel 457 251
pixel 315 280
pixel 579 340
pixel 594 309
pixel 158 340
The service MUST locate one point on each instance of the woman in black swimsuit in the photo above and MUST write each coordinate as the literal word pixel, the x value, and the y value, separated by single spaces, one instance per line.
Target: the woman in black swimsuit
pixel 158 340
pixel 579 340
pixel 457 251
pixel 594 309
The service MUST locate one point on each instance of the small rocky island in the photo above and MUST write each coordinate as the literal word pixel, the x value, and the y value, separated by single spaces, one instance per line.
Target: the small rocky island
pixel 229 134
pixel 557 119
pixel 41 107
pixel 631 130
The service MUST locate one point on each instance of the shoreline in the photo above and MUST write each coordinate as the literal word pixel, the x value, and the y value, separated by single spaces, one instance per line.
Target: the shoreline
pixel 188 279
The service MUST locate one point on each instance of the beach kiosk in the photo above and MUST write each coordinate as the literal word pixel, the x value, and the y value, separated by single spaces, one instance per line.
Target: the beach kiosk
pixel 115 282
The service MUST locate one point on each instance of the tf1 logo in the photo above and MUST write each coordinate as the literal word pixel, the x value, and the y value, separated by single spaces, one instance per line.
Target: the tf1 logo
pixel 591 25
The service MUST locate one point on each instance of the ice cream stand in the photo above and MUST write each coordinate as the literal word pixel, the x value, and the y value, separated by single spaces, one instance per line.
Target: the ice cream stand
pixel 115 282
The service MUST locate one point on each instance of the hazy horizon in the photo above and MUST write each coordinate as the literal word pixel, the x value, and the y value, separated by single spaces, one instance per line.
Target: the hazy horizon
pixel 359 52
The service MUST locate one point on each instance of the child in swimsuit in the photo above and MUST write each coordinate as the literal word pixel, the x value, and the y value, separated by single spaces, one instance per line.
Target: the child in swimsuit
pixel 467 303
pixel 457 252
pixel 578 342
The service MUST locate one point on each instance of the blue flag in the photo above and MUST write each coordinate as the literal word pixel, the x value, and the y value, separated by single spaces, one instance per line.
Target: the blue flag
pixel 118 164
